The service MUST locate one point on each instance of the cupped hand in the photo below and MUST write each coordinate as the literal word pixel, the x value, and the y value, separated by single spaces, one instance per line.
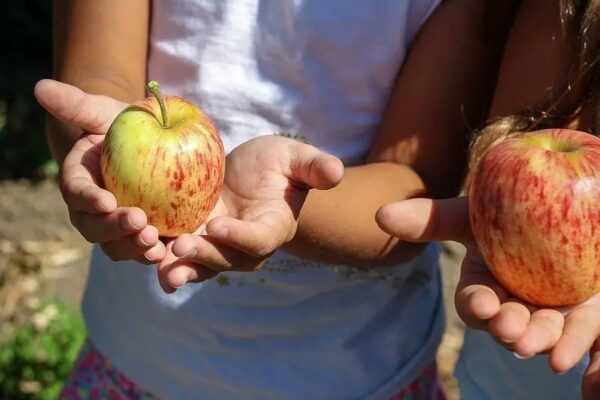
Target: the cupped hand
pixel 482 303
pixel 123 232
pixel 266 182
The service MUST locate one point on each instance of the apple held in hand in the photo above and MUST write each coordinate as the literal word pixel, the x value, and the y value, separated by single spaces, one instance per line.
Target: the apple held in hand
pixel 534 206
pixel 164 156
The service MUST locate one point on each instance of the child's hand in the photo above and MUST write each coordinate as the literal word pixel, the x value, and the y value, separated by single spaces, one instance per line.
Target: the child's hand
pixel 123 232
pixel 566 334
pixel 266 182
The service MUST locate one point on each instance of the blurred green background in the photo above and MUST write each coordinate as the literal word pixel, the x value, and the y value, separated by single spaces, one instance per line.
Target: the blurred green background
pixel 41 329
pixel 25 57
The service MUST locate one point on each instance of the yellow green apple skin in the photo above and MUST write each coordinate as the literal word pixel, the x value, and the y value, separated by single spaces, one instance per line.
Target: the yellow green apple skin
pixel 534 205
pixel 173 171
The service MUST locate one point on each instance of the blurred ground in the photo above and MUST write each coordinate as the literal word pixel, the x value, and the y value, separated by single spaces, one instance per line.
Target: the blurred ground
pixel 452 255
pixel 42 256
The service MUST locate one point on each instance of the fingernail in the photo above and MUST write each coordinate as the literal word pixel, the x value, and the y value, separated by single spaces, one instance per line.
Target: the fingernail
pixel 102 206
pixel 190 254
pixel 192 276
pixel 520 357
pixel 219 233
pixel 127 223
pixel 144 241
pixel 508 341
pixel 152 232
pixel 168 289
pixel 150 256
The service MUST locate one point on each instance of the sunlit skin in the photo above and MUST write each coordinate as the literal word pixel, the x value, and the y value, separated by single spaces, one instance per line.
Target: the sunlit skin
pixel 536 218
pixel 173 169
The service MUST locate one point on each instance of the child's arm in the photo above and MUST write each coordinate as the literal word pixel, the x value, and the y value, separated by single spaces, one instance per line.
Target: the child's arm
pixel 99 47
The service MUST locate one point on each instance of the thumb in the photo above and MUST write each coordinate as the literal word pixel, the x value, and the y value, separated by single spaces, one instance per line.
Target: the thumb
pixel 314 168
pixel 71 105
pixel 424 220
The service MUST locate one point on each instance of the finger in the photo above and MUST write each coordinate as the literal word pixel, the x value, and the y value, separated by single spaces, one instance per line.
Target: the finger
pixel 203 258
pixel 174 272
pixel 81 195
pixel 424 220
pixel 104 228
pixel 133 246
pixel 257 238
pixel 155 254
pixel 590 387
pixel 510 323
pixel 163 266
pixel 476 305
pixel 182 271
pixel 478 295
pixel 542 334
pixel 73 106
pixel 196 249
pixel 582 327
pixel 214 255
pixel 314 168
pixel 80 178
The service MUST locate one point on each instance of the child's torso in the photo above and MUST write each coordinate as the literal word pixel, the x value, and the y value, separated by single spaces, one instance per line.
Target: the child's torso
pixel 318 69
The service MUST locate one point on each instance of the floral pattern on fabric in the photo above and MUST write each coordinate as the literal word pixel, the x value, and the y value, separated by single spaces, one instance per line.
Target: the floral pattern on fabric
pixel 425 387
pixel 94 378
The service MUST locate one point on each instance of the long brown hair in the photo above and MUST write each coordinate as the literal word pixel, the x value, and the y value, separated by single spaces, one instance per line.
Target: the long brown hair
pixel 584 17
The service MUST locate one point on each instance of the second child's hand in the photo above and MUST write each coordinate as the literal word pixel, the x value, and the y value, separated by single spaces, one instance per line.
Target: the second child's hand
pixel 566 334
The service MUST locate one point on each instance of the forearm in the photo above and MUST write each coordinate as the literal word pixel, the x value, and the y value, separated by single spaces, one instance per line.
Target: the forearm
pixel 444 90
pixel 338 226
pixel 538 62
pixel 100 47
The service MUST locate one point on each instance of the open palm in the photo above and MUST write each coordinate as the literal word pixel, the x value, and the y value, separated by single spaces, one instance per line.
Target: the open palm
pixel 565 333
pixel 266 182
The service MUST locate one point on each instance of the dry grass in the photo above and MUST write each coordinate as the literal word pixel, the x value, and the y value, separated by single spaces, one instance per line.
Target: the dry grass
pixel 452 255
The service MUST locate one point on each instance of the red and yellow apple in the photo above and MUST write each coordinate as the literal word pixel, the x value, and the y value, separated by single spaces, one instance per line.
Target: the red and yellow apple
pixel 164 155
pixel 534 205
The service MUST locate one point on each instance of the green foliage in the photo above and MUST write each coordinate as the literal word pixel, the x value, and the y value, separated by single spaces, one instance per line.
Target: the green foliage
pixel 38 356
pixel 26 57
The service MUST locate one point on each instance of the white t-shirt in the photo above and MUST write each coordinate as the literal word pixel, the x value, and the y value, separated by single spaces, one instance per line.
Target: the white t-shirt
pixel 296 329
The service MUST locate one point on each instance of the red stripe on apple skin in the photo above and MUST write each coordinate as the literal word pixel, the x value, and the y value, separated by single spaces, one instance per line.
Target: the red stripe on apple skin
pixel 534 215
pixel 178 175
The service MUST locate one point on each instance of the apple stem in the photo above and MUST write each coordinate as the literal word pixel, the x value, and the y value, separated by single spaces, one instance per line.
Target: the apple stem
pixel 153 88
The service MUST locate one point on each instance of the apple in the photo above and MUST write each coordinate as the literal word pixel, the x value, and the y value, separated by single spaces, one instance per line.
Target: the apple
pixel 534 206
pixel 165 156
